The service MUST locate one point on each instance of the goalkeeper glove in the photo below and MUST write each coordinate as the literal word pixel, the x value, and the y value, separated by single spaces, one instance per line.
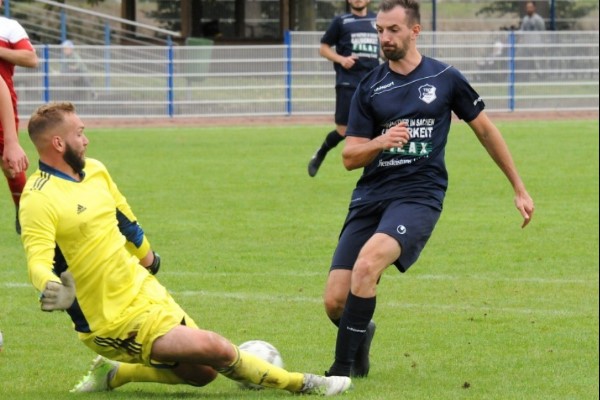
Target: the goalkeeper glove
pixel 59 296
pixel 155 266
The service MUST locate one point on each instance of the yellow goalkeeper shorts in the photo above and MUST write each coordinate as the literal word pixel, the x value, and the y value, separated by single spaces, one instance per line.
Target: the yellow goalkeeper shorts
pixel 130 336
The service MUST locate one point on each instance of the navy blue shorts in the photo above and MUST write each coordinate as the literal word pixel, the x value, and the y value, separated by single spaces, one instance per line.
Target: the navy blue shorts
pixel 343 98
pixel 411 224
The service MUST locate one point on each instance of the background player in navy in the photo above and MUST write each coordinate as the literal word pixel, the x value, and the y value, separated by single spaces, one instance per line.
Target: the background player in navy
pixel 398 128
pixel 356 52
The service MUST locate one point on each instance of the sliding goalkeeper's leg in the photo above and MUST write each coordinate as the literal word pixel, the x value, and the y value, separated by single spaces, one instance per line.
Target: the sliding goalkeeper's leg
pixel 252 369
pixel 105 375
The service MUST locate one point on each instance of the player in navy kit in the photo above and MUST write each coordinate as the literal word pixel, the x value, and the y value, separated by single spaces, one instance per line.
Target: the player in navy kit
pixel 350 42
pixel 398 128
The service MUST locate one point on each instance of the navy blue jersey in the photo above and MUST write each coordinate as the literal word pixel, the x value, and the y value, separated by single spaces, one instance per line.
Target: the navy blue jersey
pixel 353 35
pixel 425 99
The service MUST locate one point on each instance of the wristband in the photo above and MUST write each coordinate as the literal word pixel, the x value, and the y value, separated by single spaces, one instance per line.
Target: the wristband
pixel 155 266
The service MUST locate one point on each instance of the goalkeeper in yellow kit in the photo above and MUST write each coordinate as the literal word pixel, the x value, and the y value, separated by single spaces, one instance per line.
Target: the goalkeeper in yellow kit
pixel 87 254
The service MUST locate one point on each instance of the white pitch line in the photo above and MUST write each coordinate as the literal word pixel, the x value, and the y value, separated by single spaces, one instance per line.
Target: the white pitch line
pixel 396 275
pixel 15 285
pixel 394 304
pixel 385 303
pixel 391 275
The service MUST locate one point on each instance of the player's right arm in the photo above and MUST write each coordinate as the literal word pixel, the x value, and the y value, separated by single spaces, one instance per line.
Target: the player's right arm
pixel 38 234
pixel 329 53
pixel 359 151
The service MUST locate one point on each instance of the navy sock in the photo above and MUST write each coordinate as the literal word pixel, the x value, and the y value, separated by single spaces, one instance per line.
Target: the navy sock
pixel 332 139
pixel 353 325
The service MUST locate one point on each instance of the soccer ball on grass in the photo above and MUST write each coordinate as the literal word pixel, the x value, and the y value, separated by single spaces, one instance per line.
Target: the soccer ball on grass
pixel 264 350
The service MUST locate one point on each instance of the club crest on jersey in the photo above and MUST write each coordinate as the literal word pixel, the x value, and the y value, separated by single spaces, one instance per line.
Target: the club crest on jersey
pixel 427 93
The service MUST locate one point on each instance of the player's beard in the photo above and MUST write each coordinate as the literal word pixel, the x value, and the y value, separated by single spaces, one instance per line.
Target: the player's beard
pixel 358 9
pixel 74 160
pixel 396 53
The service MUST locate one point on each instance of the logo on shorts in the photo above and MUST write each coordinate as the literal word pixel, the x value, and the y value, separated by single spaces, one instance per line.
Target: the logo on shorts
pixel 427 93
pixel 401 229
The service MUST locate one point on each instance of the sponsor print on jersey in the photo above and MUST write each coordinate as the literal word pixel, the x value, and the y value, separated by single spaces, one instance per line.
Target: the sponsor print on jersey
pixel 365 44
pixel 420 145
pixel 414 149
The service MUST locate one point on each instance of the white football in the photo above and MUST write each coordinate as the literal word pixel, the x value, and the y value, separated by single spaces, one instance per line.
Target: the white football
pixel 264 350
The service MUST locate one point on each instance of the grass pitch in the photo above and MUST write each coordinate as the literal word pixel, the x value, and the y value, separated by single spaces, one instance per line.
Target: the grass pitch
pixel 490 311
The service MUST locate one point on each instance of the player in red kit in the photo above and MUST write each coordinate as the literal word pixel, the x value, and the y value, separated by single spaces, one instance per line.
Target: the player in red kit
pixel 15 49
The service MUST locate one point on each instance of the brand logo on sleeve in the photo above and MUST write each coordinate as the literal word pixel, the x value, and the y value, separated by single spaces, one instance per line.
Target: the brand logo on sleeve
pixel 386 86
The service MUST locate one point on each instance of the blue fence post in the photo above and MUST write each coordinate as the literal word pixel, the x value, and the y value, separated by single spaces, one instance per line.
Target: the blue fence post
pixel 288 70
pixel 63 26
pixel 552 15
pixel 433 15
pixel 511 75
pixel 46 68
pixel 107 55
pixel 170 70
pixel 7 8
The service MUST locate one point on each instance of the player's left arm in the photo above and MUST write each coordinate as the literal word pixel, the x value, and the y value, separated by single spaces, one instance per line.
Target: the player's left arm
pixel 14 156
pixel 491 138
pixel 136 241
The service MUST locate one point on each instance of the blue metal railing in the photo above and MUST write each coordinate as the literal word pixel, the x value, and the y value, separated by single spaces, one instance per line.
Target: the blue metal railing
pixel 292 79
pixel 288 75
pixel 511 73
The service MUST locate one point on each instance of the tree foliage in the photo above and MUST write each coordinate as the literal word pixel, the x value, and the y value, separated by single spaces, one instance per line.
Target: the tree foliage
pixel 567 13
pixel 167 15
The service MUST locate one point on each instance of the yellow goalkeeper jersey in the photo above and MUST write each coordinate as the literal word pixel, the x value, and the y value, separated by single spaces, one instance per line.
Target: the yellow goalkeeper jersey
pixel 92 225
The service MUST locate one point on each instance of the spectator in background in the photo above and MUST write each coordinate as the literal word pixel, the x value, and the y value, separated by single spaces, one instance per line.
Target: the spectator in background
pixel 74 68
pixel 15 49
pixel 531 23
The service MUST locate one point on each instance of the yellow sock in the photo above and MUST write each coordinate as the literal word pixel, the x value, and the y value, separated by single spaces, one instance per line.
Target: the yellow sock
pixel 141 373
pixel 253 369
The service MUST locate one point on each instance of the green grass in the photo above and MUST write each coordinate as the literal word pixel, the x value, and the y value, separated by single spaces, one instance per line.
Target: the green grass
pixel 490 311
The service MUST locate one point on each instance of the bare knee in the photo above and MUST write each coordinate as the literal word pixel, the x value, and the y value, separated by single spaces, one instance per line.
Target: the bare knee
pixel 220 349
pixel 194 346
pixel 336 293
pixel 365 277
pixel 334 306
pixel 365 272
